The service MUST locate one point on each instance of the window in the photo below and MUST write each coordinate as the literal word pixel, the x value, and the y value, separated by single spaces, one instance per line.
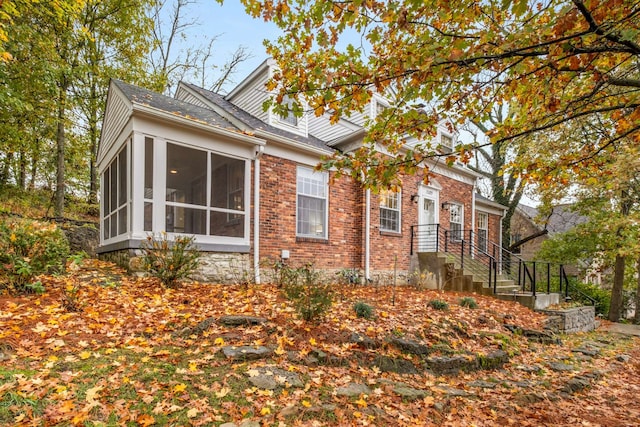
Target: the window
pixel 290 118
pixel 456 220
pixel 483 231
pixel 379 108
pixel 514 238
pixel 312 203
pixel 205 193
pixel 148 184
pixel 115 218
pixel 390 211
pixel 446 142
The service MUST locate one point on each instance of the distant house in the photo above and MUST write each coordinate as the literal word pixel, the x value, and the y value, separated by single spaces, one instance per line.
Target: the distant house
pixel 526 221
pixel 242 181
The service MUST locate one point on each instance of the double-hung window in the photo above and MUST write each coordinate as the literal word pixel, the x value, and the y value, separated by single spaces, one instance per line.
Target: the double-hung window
pixel 456 220
pixel 483 231
pixel 312 203
pixel 390 211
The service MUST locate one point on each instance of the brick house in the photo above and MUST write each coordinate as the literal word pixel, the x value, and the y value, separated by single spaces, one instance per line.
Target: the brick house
pixel 241 180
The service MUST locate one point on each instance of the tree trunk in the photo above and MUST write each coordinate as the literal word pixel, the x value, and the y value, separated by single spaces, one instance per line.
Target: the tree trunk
pixel 60 143
pixel 636 318
pixel 6 167
pixel 93 136
pixel 615 308
pixel 22 172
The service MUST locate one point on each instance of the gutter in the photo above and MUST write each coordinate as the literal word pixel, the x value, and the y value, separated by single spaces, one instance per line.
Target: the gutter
pixel 256 213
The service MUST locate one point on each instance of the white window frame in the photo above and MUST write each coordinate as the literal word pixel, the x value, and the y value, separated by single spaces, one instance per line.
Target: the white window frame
pixel 456 233
pixel 114 212
pixel 386 204
pixel 483 226
pixel 290 119
pixel 160 203
pixel 321 181
pixel 443 137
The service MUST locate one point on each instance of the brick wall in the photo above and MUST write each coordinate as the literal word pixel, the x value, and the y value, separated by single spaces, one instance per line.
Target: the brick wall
pixel 344 246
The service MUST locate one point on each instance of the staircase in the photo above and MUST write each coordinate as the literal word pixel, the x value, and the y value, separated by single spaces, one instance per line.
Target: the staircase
pixel 461 262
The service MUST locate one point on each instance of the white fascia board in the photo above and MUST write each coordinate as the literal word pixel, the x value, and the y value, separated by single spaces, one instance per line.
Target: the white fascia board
pixel 160 114
pixel 292 143
pixel 266 65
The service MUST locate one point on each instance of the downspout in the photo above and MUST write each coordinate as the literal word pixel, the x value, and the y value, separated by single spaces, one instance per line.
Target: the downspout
pixel 473 214
pixel 256 213
pixel 367 227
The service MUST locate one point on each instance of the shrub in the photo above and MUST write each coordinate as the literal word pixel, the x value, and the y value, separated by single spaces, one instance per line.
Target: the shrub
pixel 170 261
pixel 311 298
pixel 579 292
pixel 438 304
pixel 349 276
pixel 363 310
pixel 30 248
pixel 469 302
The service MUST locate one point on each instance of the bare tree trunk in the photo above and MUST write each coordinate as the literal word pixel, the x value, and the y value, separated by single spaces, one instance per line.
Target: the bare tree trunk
pixel 93 135
pixel 6 167
pixel 636 317
pixel 22 170
pixel 60 145
pixel 615 308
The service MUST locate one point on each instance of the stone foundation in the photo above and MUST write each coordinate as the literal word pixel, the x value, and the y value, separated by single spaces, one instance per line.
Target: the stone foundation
pixel 214 267
pixel 571 320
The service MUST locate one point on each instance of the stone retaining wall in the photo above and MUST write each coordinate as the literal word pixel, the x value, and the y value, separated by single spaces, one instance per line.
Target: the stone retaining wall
pixel 579 319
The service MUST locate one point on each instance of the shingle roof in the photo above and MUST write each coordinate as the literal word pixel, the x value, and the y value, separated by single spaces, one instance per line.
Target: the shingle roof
pixel 253 122
pixel 173 106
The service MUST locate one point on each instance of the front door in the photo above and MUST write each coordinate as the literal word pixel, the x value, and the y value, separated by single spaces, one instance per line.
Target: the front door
pixel 427 220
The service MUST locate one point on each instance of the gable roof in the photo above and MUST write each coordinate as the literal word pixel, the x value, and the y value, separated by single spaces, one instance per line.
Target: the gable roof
pixel 174 106
pixel 562 219
pixel 250 121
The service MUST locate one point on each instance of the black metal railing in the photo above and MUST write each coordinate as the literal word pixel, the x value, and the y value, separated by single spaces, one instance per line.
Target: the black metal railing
pixel 482 258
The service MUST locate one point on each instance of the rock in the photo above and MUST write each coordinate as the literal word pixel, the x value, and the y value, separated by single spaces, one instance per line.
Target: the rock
pixel 587 351
pixel 246 352
pixel 530 398
pixel 451 365
pixel 624 358
pixel 399 366
pixel 196 330
pixel 364 341
pixel 561 367
pixel 353 390
pixel 530 369
pixel 493 360
pixel 229 425
pixel 82 237
pixel 410 347
pixel 238 320
pixel 576 384
pixel 250 423
pixel 269 378
pixel 452 392
pixel 482 384
pixel 290 411
pixel 409 393
pixel 543 337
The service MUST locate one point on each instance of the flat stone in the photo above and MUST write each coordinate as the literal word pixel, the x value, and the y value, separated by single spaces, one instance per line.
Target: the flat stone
pixel 587 351
pixel 290 411
pixel 409 393
pixel 229 425
pixel 238 320
pixel 271 378
pixel 353 390
pixel 529 369
pixel 576 384
pixel 249 423
pixel 561 367
pixel 482 384
pixel 246 352
pixel 451 365
pixel 624 358
pixel 453 392
pixel 410 346
pixel 364 341
pixel 399 366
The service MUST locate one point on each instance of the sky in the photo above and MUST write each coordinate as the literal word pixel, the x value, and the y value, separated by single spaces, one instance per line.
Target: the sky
pixel 234 28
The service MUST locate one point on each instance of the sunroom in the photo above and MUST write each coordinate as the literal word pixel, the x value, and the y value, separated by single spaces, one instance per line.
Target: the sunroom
pixel 172 167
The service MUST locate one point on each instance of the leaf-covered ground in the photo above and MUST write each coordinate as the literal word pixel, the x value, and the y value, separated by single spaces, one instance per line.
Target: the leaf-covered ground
pixel 131 354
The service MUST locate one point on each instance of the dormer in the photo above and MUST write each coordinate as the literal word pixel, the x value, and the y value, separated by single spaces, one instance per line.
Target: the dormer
pixel 446 138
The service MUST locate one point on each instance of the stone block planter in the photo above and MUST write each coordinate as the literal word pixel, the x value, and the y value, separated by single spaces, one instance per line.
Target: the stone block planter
pixel 571 320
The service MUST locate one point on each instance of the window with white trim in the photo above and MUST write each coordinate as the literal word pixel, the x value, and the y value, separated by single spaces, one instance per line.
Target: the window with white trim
pixel 312 203
pixel 390 211
pixel 115 205
pixel 483 231
pixel 290 118
pixel 456 219
pixel 204 193
pixel 446 142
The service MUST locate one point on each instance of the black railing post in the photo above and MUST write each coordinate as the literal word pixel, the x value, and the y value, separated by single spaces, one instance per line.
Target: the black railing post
pixel 495 277
pixel 533 280
pixel 462 255
pixel 520 283
pixel 438 237
pixel 548 278
pixel 412 231
pixel 446 240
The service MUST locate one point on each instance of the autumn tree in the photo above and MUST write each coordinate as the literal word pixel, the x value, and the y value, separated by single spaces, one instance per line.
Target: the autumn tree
pixel 171 61
pixel 552 62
